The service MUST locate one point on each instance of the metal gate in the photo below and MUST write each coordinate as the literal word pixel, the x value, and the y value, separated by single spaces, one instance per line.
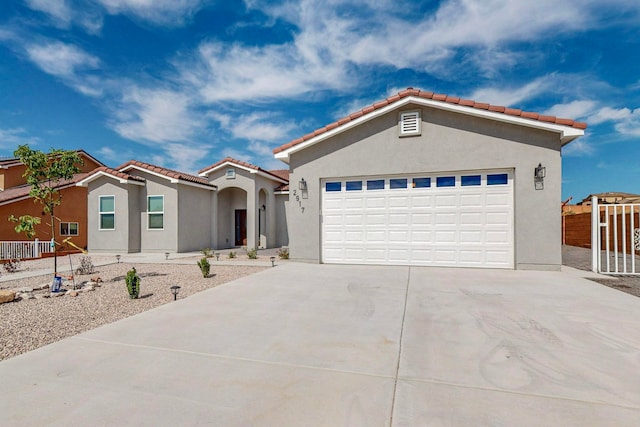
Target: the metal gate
pixel 615 238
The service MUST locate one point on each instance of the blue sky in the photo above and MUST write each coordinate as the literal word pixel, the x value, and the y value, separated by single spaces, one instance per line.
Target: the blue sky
pixel 183 83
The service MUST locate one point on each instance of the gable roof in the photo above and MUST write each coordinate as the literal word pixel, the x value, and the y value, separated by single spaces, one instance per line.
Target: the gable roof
pixel 122 177
pixel 173 176
pixel 276 175
pixel 10 162
pixel 21 192
pixel 567 128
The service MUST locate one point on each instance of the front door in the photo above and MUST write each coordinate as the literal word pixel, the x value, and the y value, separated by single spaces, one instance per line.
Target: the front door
pixel 241 227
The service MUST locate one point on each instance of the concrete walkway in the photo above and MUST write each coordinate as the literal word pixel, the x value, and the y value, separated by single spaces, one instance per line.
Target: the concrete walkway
pixel 323 345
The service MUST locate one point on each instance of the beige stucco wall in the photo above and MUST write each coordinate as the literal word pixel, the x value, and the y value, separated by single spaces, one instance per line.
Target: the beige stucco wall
pixel 194 218
pixel 449 142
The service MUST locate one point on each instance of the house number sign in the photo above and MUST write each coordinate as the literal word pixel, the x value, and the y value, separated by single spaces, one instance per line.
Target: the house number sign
pixel 296 195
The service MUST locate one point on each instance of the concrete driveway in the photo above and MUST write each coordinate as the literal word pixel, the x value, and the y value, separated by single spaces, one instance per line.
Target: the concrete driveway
pixel 321 345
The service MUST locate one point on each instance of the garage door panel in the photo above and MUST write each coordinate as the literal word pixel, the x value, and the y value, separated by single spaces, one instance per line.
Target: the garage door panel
pixel 469 225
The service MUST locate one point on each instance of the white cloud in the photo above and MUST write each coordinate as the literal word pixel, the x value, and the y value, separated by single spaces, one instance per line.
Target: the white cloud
pixel 256 126
pixel 155 115
pixel 11 138
pixel 57 9
pixel 182 157
pixel 606 114
pixel 165 12
pixel 61 59
pixel 573 110
pixel 63 14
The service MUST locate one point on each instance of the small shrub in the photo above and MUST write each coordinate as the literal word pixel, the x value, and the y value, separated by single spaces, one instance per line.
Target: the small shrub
pixel 252 253
pixel 232 254
pixel 207 252
pixel 133 283
pixel 283 253
pixel 86 266
pixel 205 267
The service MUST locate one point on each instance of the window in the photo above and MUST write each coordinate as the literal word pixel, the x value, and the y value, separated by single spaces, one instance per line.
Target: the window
pixel 332 186
pixel 421 182
pixel 497 179
pixel 354 185
pixel 470 180
pixel 409 123
pixel 398 183
pixel 68 228
pixel 376 184
pixel 155 212
pixel 446 181
pixel 107 208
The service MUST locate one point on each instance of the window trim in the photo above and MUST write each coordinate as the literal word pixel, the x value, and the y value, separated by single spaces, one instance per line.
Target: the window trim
pixel 410 123
pixel 69 228
pixel 149 213
pixel 100 212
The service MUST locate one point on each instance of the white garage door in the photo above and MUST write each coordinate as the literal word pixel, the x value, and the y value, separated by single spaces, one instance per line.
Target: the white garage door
pixel 456 219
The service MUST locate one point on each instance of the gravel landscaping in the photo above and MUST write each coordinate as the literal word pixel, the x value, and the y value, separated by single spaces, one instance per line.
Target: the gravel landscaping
pixel 31 323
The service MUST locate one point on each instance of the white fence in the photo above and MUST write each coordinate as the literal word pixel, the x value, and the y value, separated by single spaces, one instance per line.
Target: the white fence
pixel 615 238
pixel 24 249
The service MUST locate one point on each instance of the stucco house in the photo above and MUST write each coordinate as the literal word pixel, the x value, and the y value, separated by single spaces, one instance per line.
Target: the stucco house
pixel 429 179
pixel 139 207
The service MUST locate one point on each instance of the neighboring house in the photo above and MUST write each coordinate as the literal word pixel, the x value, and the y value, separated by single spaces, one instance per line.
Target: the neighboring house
pixel 610 198
pixel 141 207
pixel 429 179
pixel 71 214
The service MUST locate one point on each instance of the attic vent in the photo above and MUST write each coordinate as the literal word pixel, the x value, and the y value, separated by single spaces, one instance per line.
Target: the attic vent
pixel 410 123
pixel 230 173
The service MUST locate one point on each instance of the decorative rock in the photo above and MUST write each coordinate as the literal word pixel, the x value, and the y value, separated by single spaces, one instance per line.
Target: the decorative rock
pixel 25 289
pixel 72 293
pixel 26 295
pixel 88 288
pixel 57 294
pixel 44 286
pixel 7 295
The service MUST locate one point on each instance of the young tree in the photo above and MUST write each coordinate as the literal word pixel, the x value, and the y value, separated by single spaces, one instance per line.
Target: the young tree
pixel 45 172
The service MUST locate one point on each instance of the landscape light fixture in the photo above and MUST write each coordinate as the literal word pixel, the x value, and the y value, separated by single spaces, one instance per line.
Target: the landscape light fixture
pixel 118 258
pixel 273 261
pixel 166 255
pixel 174 290
pixel 217 254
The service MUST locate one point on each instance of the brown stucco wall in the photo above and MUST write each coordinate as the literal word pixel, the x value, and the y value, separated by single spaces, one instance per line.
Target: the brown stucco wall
pixel 72 209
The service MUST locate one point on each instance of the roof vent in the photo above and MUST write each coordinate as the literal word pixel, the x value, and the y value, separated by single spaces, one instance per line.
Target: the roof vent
pixel 409 123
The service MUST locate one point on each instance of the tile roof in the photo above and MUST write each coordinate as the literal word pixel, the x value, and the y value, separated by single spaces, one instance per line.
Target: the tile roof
pixel 436 97
pixel 21 191
pixel 278 173
pixel 9 162
pixel 165 172
pixel 116 173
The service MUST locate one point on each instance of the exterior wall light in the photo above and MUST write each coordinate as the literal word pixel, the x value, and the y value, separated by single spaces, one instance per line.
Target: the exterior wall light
pixel 302 185
pixel 538 176
pixel 174 290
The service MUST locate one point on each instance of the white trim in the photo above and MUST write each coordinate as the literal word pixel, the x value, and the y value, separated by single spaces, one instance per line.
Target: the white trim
pixel 155 213
pixel 100 213
pixel 245 168
pixel 278 193
pixel 567 133
pixel 171 180
pixel 85 182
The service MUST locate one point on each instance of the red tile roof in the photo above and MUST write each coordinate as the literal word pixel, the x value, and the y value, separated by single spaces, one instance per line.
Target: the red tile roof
pixel 116 173
pixel 10 162
pixel 278 173
pixel 21 191
pixel 436 97
pixel 165 172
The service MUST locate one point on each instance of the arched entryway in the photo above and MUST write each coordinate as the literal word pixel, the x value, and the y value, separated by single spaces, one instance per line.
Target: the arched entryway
pixel 232 217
